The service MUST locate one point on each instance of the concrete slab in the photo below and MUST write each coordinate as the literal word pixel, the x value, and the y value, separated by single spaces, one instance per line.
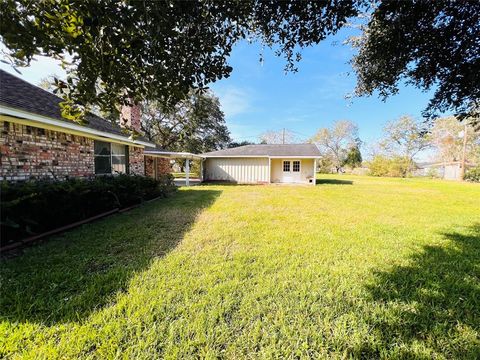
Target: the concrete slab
pixel 182 182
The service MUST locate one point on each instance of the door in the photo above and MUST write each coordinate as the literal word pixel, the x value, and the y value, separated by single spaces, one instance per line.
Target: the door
pixel 291 171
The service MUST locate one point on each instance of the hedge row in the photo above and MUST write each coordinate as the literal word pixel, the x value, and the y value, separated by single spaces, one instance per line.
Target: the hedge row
pixel 33 207
pixel 473 174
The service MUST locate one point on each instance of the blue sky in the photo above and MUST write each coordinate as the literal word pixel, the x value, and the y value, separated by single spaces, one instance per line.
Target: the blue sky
pixel 259 96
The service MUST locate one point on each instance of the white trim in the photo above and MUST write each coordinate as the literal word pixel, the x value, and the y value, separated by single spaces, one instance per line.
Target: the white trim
pixel 66 125
pixel 269 170
pixel 235 156
pixel 172 154
pixel 294 157
pixel 261 156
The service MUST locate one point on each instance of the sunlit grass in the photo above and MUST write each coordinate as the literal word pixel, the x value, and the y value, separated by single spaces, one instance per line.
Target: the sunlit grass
pixel 353 267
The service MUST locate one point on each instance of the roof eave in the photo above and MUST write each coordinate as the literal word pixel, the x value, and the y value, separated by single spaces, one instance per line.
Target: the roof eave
pixel 173 154
pixel 265 156
pixel 21 114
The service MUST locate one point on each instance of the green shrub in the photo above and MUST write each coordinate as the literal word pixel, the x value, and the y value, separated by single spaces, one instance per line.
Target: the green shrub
pixel 473 174
pixel 394 167
pixel 33 207
pixel 325 165
pixel 432 173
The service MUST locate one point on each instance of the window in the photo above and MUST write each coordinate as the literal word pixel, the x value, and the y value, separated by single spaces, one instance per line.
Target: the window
pixel 286 166
pixel 103 161
pixel 120 158
pixel 296 166
pixel 110 158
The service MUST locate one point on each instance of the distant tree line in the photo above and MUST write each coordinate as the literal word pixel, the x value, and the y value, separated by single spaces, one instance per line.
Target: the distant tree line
pixel 403 139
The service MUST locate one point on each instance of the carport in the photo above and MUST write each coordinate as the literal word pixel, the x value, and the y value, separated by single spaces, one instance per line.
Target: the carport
pixel 159 153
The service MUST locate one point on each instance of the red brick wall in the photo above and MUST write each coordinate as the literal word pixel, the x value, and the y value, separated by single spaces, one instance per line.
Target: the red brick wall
pixel 137 161
pixel 163 166
pixel 131 117
pixel 29 152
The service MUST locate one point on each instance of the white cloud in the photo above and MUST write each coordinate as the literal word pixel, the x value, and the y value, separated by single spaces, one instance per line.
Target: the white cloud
pixel 234 100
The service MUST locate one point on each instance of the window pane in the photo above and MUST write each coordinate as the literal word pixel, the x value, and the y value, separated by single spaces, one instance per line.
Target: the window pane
pixel 119 168
pixel 101 148
pixel 118 149
pixel 296 166
pixel 286 166
pixel 116 159
pixel 102 165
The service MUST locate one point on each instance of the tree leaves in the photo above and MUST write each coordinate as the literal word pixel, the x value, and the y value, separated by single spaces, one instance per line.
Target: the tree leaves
pixel 195 124
pixel 155 50
pixel 427 44
pixel 159 50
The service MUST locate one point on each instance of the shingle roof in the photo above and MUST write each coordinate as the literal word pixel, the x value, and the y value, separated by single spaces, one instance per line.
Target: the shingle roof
pixel 287 150
pixel 21 95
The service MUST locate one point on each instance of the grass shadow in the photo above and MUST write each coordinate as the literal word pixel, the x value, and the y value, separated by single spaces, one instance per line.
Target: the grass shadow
pixel 433 302
pixel 73 274
pixel 333 182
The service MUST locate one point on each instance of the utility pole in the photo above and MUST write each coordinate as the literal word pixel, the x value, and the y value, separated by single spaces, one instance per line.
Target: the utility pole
pixel 283 137
pixel 462 172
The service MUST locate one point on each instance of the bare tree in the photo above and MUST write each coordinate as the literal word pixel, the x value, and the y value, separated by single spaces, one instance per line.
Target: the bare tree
pixel 405 137
pixel 447 141
pixel 283 136
pixel 336 141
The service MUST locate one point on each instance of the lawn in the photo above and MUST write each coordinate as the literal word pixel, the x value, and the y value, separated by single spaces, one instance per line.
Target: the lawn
pixel 354 267
pixel 182 175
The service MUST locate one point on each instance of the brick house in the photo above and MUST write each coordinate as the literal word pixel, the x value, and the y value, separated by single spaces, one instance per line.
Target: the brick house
pixel 37 142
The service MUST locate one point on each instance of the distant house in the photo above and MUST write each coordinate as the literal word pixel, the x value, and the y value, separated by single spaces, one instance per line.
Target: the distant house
pixel 443 170
pixel 253 164
pixel 37 142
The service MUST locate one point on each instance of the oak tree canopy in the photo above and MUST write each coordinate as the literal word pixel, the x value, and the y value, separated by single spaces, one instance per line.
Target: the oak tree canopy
pixel 117 51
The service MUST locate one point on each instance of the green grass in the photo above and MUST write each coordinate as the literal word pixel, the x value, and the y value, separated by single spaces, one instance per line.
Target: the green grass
pixel 356 267
pixel 182 175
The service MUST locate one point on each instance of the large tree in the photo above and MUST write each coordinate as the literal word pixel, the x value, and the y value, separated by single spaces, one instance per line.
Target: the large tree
pixel 195 124
pixel 353 158
pixel 156 50
pixel 234 144
pixel 116 51
pixel 404 137
pixel 447 138
pixel 430 44
pixel 335 142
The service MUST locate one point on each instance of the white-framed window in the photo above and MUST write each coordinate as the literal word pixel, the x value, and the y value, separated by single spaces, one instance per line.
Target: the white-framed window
pixel 119 159
pixel 110 158
pixel 296 166
pixel 286 166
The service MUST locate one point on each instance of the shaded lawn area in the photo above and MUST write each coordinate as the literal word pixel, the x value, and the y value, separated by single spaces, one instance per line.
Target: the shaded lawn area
pixel 381 268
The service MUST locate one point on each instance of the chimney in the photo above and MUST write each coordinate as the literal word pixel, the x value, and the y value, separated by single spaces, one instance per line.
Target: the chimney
pixel 130 117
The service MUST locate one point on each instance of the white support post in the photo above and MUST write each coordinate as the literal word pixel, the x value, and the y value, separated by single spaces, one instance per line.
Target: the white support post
pixel 269 170
pixel 187 169
pixel 314 172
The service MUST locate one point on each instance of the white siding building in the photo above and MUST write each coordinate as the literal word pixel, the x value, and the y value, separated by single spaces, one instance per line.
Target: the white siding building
pixel 263 164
